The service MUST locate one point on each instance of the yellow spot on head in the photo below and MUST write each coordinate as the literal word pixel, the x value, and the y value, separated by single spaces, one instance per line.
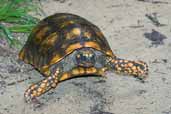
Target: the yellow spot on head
pixel 78 56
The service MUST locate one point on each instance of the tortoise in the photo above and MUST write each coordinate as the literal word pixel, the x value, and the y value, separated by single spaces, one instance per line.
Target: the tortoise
pixel 63 46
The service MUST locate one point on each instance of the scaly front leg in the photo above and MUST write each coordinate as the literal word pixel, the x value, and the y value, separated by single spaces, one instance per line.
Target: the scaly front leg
pixel 138 69
pixel 50 82
pixel 41 87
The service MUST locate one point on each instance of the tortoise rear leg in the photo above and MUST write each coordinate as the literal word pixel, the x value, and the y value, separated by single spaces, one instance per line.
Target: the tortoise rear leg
pixel 137 69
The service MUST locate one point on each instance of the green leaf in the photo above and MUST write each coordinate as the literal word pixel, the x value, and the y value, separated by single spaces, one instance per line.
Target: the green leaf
pixel 16 12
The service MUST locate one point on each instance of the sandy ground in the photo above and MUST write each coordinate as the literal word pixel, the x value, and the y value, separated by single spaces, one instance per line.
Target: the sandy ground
pixel 124 24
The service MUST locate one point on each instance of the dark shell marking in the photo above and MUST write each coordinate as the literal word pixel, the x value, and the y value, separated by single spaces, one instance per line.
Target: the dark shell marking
pixel 56 38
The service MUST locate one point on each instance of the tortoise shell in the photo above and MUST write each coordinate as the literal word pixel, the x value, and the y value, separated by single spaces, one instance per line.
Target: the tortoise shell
pixel 59 35
pixel 63 46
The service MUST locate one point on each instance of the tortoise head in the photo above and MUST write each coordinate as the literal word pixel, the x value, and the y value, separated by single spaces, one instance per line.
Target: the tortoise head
pixel 85 57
